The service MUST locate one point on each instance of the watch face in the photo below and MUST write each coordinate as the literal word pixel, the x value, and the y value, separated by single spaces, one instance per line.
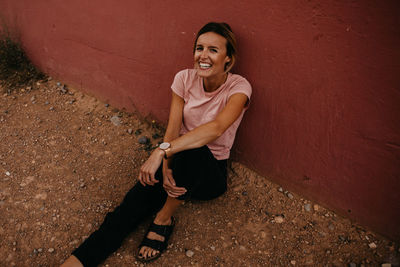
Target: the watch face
pixel 165 145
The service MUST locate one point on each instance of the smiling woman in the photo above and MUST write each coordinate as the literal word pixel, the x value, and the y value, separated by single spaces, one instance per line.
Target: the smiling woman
pixel 207 106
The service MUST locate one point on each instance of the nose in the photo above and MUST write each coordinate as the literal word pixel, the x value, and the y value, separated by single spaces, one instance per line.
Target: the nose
pixel 204 53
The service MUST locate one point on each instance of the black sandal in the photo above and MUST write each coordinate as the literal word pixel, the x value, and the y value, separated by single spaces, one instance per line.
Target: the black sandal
pixel 162 230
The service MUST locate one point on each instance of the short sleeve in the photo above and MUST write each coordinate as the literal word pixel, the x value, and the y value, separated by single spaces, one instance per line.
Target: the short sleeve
pixel 241 86
pixel 178 85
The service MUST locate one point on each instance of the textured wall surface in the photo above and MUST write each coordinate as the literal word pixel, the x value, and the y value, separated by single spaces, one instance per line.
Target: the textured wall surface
pixel 325 115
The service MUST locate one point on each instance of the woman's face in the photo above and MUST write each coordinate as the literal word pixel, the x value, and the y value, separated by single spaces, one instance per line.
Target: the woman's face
pixel 210 55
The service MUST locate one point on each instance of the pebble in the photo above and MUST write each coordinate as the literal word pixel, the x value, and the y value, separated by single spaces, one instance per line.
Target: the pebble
pixel 51 108
pixel 107 105
pixel 278 219
pixel 130 131
pixel 40 250
pixel 212 248
pixel 352 264
pixel 47 102
pixel 189 253
pixel 242 248
pixel 244 193
pixel 115 120
pixel 8 173
pixel 316 207
pixel 280 189
pixel 51 250
pixel 143 140
pixel 293 262
pixel 307 207
pixel 58 84
pixel 263 234
pixel 386 265
pixel 372 245
pixel 289 195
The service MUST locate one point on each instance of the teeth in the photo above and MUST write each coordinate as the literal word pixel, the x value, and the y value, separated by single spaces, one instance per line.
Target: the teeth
pixel 204 65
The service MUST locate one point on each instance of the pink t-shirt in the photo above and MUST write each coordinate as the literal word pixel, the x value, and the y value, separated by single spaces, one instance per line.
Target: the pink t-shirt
pixel 201 107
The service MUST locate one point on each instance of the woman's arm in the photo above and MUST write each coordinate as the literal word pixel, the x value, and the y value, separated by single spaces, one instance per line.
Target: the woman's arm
pixel 198 137
pixel 210 131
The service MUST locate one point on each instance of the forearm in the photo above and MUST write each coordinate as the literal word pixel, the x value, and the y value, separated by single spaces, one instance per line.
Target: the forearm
pixel 198 137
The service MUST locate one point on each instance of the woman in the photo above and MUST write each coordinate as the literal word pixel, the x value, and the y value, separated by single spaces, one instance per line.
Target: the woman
pixel 207 106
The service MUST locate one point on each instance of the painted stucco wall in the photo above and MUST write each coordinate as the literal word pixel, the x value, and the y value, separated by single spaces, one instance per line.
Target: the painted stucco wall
pixel 325 114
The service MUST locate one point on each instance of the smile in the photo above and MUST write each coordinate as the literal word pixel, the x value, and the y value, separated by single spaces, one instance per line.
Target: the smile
pixel 204 65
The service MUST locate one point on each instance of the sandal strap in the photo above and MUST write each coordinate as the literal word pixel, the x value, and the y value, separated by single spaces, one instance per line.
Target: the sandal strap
pixel 154 244
pixel 162 230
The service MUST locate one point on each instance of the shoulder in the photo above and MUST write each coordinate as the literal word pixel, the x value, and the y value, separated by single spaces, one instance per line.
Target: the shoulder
pixel 186 74
pixel 239 84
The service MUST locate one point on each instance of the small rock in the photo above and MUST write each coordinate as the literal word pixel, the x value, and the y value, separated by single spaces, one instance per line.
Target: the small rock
pixel 58 84
pixel 289 195
pixel 212 248
pixel 138 131
pixel 278 219
pixel 242 248
pixel 244 193
pixel 51 108
pixel 72 100
pixel 115 120
pixel 293 262
pixel 47 102
pixel 280 189
pixel 40 250
pixel 143 140
pixel 352 264
pixel 316 207
pixel 307 207
pixel 130 131
pixel 8 173
pixel 33 98
pixel 386 265
pixel 263 234
pixel 372 245
pixel 189 253
pixel 51 250
pixel 107 105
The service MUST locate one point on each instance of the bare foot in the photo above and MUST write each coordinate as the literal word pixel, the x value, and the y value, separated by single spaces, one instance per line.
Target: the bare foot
pixel 147 252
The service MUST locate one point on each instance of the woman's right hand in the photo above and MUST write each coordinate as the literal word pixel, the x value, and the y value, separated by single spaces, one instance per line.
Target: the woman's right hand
pixel 169 183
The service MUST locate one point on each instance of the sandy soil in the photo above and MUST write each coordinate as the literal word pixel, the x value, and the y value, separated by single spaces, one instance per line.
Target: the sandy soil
pixel 66 159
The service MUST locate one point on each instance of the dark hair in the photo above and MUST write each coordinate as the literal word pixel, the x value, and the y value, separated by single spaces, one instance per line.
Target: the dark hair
pixel 223 29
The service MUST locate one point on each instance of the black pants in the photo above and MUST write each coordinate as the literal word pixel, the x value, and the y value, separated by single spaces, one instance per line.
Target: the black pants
pixel 197 170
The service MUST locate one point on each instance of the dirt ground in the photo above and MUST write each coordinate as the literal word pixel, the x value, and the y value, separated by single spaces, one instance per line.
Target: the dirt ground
pixel 66 159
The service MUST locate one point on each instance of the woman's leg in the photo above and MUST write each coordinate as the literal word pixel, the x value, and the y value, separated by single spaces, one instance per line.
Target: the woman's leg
pixel 140 202
pixel 163 217
pixel 204 178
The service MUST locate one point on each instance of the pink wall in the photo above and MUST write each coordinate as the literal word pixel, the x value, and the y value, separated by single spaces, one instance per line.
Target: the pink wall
pixel 325 114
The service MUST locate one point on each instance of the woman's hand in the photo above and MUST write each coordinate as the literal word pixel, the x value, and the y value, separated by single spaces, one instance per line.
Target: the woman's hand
pixel 149 168
pixel 169 183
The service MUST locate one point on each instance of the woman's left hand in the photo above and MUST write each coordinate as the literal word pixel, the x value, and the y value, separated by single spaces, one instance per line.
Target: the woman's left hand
pixel 149 168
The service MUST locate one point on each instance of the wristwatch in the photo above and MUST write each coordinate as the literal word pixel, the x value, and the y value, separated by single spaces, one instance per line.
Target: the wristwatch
pixel 166 147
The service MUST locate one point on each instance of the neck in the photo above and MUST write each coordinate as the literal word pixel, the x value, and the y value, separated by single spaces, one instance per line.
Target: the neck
pixel 212 84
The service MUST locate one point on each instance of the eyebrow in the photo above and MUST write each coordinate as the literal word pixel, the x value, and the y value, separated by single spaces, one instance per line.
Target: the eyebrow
pixel 208 46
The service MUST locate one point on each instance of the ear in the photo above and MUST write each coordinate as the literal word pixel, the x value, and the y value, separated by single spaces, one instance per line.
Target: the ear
pixel 227 59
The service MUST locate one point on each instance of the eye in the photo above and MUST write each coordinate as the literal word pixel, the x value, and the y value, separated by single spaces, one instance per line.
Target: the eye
pixel 199 48
pixel 214 50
